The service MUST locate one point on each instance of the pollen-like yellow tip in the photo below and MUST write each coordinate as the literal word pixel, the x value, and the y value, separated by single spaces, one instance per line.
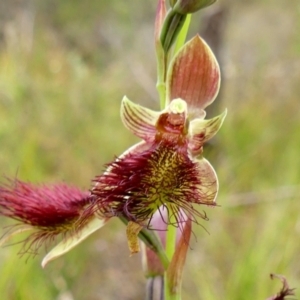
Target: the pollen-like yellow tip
pixel 178 106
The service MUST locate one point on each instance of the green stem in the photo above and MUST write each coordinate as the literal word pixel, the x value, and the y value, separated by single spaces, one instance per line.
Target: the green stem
pixel 183 33
pixel 161 61
pixel 161 80
pixel 171 238
pixel 168 294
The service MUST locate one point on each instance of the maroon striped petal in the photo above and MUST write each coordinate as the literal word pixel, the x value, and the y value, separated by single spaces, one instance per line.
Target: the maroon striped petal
pixel 194 75
pixel 207 189
pixel 175 269
pixel 202 130
pixel 159 223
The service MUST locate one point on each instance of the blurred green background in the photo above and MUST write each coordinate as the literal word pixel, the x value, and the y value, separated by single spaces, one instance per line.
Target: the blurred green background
pixel 64 67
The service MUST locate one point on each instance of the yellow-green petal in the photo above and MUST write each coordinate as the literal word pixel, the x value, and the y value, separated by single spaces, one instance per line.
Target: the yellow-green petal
pixel 138 119
pixel 72 241
pixel 201 130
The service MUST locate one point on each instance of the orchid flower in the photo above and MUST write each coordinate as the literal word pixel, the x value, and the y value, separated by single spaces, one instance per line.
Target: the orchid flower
pixel 45 211
pixel 166 170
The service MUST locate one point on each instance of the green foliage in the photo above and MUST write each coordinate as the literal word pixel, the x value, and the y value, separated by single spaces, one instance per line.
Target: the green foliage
pixel 59 121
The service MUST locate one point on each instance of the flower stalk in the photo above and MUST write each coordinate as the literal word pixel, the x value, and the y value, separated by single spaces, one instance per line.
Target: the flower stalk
pixel 171 237
pixel 172 230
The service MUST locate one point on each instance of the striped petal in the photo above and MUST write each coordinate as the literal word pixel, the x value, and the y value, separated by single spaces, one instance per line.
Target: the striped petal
pixel 202 130
pixel 194 75
pixel 139 120
pixel 208 187
pixel 175 270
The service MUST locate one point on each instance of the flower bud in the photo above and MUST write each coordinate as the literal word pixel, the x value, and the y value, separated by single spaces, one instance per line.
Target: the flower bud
pixel 171 28
pixel 190 6
pixel 172 2
pixel 159 19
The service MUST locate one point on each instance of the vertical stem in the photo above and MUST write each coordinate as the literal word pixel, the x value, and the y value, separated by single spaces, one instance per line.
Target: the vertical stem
pixel 183 33
pixel 161 77
pixel 163 58
pixel 171 238
pixel 168 294
pixel 171 230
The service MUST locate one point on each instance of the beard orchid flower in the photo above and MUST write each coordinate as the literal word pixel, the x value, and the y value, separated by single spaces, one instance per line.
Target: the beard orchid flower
pixel 166 169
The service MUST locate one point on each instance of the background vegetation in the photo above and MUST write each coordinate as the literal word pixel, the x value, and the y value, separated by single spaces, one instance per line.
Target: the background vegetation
pixel 64 67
